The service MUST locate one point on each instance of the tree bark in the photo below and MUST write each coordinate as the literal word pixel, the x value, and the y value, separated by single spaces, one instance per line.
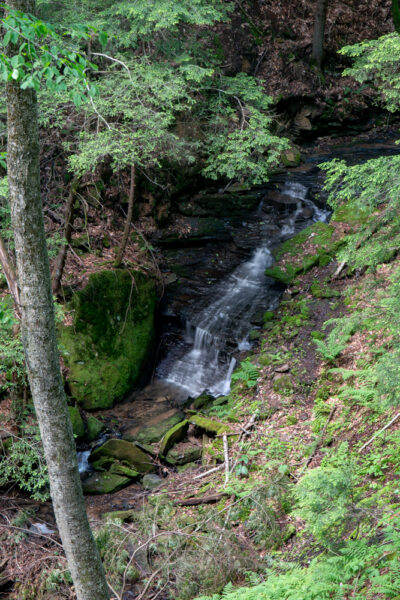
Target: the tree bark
pixel 59 263
pixel 396 15
pixel 319 32
pixel 40 343
pixel 10 276
pixel 128 220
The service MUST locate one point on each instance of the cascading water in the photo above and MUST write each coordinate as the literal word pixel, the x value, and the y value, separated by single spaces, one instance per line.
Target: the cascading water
pixel 205 360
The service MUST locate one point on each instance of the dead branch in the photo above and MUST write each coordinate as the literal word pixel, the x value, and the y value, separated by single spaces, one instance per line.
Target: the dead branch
pixel 10 276
pixel 128 220
pixel 379 432
pixel 59 263
pixel 226 457
pixel 204 500
pixel 213 470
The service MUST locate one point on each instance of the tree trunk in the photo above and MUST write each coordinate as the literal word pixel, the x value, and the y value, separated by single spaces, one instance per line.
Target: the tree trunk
pixel 128 220
pixel 10 276
pixel 59 263
pixel 319 32
pixel 40 343
pixel 396 15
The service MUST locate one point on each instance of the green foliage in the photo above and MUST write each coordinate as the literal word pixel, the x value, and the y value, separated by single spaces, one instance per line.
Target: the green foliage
pixel 25 465
pixel 12 358
pixel 337 339
pixel 40 56
pixel 376 62
pixel 163 96
pixel 247 373
pixel 324 501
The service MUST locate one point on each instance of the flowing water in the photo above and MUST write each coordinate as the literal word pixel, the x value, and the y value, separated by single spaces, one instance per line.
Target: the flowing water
pixel 206 358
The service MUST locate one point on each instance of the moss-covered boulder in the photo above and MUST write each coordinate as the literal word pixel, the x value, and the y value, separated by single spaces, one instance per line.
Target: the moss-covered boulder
pixel 78 426
pixel 125 452
pixel 104 483
pixel 152 481
pixel 108 344
pixel 173 436
pixel 154 433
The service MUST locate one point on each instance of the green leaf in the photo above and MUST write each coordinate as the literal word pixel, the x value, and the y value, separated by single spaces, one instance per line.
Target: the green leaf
pixel 103 38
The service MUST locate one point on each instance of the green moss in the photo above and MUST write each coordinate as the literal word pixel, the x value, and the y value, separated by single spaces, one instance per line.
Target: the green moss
pixel 94 428
pixel 208 425
pixel 104 483
pixel 268 316
pixel 78 427
pixel 107 347
pixel 125 452
pixel 320 290
pixel 291 420
pixel 173 436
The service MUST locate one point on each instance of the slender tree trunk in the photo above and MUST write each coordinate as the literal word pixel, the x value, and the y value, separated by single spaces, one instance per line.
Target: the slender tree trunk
pixel 396 15
pixel 128 220
pixel 10 276
pixel 59 263
pixel 319 32
pixel 40 343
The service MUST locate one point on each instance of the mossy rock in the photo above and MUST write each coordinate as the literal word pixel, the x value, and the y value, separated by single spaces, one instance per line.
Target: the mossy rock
pixel 268 316
pixel 104 483
pixel 153 434
pixel 182 456
pixel 124 451
pixel 208 425
pixel 94 428
pixel 78 426
pixel 173 436
pixel 107 347
pixel 120 469
pixel 291 157
pixel 283 384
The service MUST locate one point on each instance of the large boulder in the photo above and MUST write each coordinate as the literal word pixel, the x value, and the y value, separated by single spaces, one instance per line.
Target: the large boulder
pixel 125 452
pixel 107 347
pixel 104 483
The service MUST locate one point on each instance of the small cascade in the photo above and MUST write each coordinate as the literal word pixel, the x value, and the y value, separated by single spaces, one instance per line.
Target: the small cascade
pixel 204 360
pixel 83 462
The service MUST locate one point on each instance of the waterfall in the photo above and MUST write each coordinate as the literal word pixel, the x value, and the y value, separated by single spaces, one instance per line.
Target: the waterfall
pixel 204 361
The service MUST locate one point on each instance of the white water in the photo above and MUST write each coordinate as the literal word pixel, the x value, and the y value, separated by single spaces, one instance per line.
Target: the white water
pixel 205 363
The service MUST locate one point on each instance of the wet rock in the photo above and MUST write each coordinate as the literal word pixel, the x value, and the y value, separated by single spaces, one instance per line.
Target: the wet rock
pixel 183 454
pixel 94 428
pixel 153 434
pixel 124 451
pixel 194 230
pixel 104 483
pixel 208 425
pixel 78 426
pixel 173 436
pixel 152 482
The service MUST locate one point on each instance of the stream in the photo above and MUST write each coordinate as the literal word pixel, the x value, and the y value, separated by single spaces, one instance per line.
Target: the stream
pixel 210 315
